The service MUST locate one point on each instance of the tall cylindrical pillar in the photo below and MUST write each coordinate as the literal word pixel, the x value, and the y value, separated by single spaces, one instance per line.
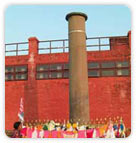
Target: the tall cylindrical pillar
pixel 78 71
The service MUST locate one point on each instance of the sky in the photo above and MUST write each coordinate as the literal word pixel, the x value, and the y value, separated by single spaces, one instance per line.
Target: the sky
pixel 47 22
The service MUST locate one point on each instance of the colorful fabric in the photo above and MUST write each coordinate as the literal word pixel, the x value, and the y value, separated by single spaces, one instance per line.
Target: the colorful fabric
pixel 49 130
pixel 102 131
pixel 46 134
pixel 74 125
pixel 60 134
pixel 110 133
pixel 41 134
pixel 82 134
pixel 16 134
pixel 21 110
pixel 97 133
pixel 68 134
pixel 54 134
pixel 24 132
pixel 35 134
pixel 68 125
pixel 45 127
pixel 122 127
pixel 94 133
pixel 29 132
pixel 89 133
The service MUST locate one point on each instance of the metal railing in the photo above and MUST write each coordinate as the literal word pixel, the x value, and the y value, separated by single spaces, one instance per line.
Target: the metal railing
pixel 92 44
pixel 16 49
pixel 61 46
pixel 53 46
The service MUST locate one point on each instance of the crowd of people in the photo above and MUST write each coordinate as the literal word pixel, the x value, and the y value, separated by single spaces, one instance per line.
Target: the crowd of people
pixel 52 129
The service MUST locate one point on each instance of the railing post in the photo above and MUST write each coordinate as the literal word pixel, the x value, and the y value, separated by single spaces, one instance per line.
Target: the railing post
pixel 16 49
pixel 129 39
pixel 33 45
pixel 63 46
pixel 50 47
pixel 99 45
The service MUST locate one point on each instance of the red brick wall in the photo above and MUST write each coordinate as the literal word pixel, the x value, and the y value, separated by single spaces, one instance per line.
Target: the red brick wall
pixel 13 92
pixel 49 99
pixel 110 97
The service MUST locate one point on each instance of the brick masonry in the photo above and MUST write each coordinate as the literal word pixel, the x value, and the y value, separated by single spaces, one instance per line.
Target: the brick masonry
pixel 49 99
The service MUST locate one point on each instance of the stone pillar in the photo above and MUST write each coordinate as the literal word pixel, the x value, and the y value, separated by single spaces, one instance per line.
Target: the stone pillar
pixel 78 71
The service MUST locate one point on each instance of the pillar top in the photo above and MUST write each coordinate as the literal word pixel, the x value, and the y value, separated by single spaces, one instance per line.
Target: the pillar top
pixel 129 32
pixel 76 13
pixel 33 39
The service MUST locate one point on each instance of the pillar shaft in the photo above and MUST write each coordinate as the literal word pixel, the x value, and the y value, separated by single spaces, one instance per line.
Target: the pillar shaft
pixel 30 87
pixel 78 71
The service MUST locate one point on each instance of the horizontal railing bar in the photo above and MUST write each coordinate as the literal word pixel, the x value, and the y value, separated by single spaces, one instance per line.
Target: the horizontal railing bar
pixel 97 45
pixel 54 40
pixel 15 50
pixel 11 51
pixel 20 43
pixel 107 37
pixel 24 50
pixel 68 47
pixel 51 48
